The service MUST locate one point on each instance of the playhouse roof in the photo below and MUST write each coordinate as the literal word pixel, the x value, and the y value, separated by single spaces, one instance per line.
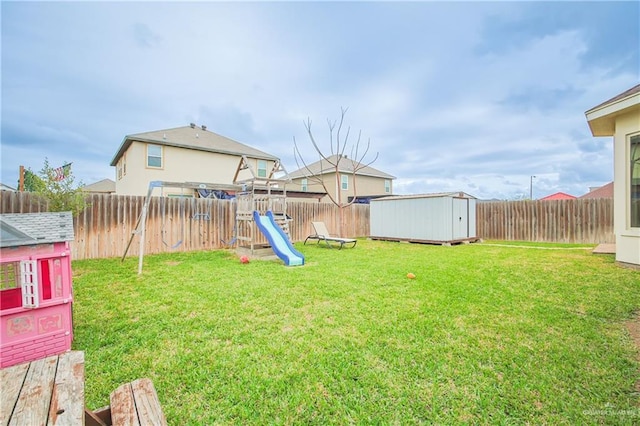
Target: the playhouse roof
pixel 22 229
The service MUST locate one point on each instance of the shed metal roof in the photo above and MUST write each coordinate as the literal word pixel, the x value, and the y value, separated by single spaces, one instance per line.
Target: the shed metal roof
pixel 456 194
pixel 22 229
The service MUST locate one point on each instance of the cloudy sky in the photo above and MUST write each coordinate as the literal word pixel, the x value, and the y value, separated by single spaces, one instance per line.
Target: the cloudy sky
pixel 454 96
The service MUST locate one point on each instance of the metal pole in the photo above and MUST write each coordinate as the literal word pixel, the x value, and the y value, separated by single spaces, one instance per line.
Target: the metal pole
pixel 531 188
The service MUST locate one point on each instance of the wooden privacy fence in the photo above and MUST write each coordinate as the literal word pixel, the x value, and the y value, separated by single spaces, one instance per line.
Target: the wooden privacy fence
pixel 104 228
pixel 564 221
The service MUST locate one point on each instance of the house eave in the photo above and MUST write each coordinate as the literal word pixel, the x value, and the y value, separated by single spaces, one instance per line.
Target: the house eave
pixel 346 172
pixel 602 119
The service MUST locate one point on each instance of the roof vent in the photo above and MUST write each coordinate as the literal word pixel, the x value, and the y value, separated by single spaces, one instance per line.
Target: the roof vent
pixel 193 125
pixel 204 127
pixel 164 136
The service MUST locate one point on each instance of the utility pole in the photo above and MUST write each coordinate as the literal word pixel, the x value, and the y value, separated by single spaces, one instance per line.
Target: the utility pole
pixel 21 179
pixel 531 188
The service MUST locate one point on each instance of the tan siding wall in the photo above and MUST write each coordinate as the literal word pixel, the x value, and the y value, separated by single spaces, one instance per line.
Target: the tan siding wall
pixel 365 185
pixel 179 165
pixel 627 238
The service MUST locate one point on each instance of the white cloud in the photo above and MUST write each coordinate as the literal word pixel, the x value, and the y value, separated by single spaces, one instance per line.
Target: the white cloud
pixel 462 96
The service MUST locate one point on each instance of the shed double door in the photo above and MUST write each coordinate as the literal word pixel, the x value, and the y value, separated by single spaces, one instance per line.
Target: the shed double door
pixel 460 218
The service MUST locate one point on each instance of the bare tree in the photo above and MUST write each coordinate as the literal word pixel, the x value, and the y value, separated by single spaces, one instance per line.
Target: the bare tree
pixel 336 162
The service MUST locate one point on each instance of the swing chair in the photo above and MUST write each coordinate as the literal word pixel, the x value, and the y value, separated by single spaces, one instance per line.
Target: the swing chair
pixel 163 230
pixel 234 232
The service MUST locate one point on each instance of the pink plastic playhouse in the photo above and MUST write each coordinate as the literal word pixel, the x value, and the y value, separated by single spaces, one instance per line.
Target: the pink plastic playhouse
pixel 35 286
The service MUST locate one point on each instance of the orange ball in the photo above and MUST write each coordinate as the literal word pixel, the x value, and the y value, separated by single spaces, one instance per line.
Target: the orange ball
pixel 411 275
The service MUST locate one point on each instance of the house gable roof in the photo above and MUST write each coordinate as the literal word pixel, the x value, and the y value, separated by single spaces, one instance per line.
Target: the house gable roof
pixel 105 186
pixel 20 229
pixel 345 165
pixel 192 137
pixel 605 191
pixel 601 118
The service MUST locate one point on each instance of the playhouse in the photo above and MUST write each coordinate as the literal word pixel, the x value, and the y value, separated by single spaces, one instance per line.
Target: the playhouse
pixel 35 287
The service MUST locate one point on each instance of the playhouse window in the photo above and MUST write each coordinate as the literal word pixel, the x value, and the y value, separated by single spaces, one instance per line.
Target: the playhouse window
pixel 26 283
pixel 19 285
pixel 9 275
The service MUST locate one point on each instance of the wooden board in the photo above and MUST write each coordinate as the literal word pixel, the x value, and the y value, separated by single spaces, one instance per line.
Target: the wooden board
pixel 33 404
pixel 147 402
pixel 67 401
pixel 12 379
pixel 136 403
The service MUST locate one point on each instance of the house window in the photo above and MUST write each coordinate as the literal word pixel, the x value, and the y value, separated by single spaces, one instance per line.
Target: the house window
pixel 635 182
pixel 154 156
pixel 122 166
pixel 304 185
pixel 262 168
pixel 387 186
pixel 344 181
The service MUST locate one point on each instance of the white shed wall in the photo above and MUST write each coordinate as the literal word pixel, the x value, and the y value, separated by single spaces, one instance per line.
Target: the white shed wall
pixel 428 218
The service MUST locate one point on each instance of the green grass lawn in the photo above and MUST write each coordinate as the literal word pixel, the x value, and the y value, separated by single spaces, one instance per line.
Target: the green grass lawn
pixel 483 335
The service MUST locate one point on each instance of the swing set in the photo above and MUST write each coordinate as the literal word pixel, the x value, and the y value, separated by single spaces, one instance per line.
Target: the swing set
pixel 140 228
pixel 253 193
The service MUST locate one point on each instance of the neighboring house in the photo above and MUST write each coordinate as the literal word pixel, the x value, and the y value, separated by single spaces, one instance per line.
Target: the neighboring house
pixel 604 191
pixel 620 117
pixel 104 186
pixel 183 154
pixel 369 182
pixel 558 196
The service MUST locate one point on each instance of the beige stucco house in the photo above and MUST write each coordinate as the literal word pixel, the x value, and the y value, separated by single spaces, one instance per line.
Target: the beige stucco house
pixel 620 117
pixel 183 154
pixel 367 181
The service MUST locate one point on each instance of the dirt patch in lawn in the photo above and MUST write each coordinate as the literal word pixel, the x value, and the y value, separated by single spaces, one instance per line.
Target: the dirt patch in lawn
pixel 633 326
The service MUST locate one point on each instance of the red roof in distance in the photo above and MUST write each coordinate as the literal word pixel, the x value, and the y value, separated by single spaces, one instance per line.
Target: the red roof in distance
pixel 558 196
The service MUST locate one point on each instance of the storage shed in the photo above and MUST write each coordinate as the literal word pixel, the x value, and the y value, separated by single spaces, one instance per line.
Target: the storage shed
pixel 35 286
pixel 442 218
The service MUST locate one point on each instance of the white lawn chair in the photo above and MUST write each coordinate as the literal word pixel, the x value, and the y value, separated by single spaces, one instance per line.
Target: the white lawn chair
pixel 322 234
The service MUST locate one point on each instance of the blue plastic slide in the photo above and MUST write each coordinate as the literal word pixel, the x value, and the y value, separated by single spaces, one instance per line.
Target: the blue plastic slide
pixel 278 239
